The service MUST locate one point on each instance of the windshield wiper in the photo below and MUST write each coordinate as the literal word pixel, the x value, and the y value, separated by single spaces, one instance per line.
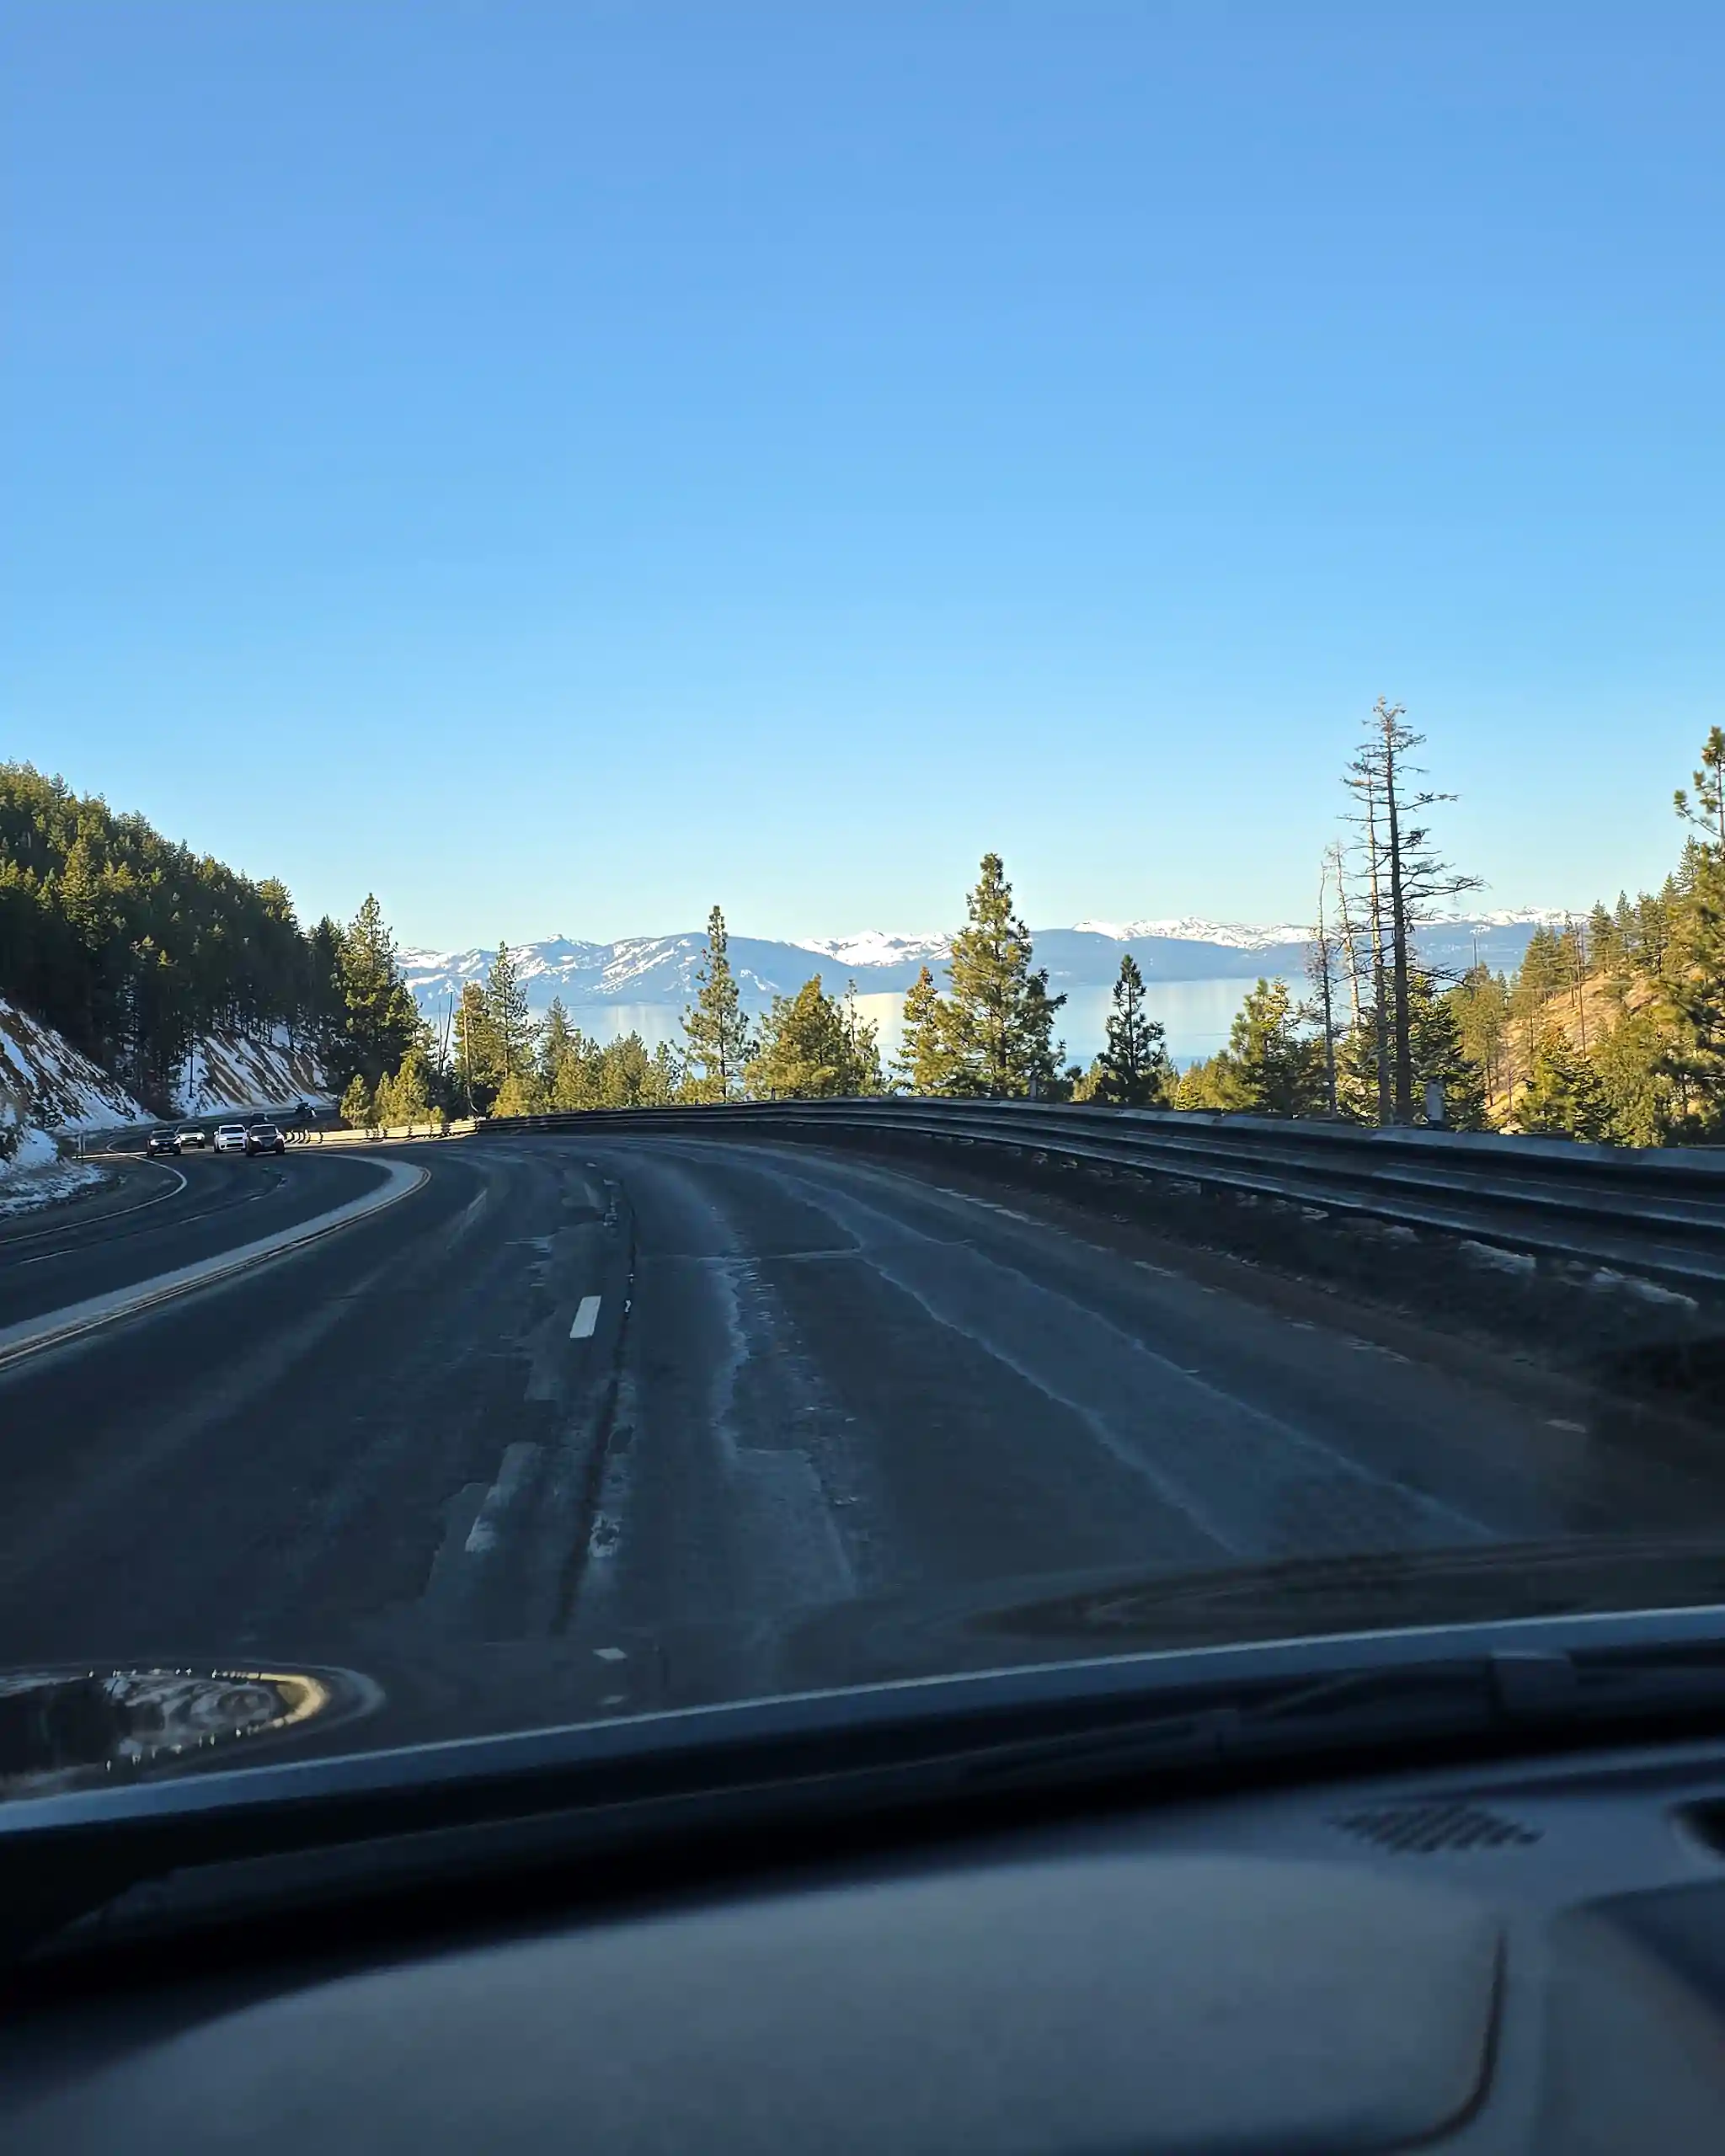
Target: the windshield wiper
pixel 1492 1697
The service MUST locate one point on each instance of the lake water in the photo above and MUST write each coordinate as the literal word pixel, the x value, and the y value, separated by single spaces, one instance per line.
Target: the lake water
pixel 1196 1015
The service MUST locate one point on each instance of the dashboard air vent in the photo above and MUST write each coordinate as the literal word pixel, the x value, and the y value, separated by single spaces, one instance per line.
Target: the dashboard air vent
pixel 1420 1829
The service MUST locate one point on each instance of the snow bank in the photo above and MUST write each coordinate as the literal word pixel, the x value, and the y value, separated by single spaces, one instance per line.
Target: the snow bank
pixel 36 1149
pixel 22 1190
pixel 31 1170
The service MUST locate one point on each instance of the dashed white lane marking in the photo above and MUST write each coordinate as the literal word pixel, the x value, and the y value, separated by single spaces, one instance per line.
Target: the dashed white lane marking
pixel 517 1464
pixel 611 1654
pixel 1558 1422
pixel 586 1317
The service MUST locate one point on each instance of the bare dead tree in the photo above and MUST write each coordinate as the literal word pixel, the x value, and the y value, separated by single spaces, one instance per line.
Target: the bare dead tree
pixel 1405 875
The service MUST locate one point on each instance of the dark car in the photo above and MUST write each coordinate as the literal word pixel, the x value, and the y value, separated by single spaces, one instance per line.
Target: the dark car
pixel 162 1142
pixel 265 1138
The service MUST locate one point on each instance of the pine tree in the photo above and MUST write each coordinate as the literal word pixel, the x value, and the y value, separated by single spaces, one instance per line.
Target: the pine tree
pixel 1357 1068
pixel 519 1094
pixel 812 1047
pixel 382 1021
pixel 863 1075
pixel 1210 1085
pixel 1632 1062
pixel 1604 950
pixel 568 1062
pixel 1480 1000
pixel 1539 976
pixel 1269 1067
pixel 799 1048
pixel 356 1104
pixel 928 1062
pixel 1706 812
pixel 664 1078
pixel 506 1008
pixel 1133 1071
pixel 574 1082
pixel 623 1075
pixel 715 1031
pixel 478 1057
pixel 1562 1097
pixel 1692 968
pixel 558 1040
pixel 325 1010
pixel 411 1096
pixel 1439 1058
pixel 1003 1015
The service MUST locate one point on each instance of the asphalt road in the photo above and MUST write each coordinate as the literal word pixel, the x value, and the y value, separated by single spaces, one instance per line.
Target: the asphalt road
pixel 164 1215
pixel 648 1406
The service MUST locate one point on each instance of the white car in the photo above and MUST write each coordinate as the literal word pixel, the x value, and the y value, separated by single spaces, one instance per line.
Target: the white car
pixel 230 1138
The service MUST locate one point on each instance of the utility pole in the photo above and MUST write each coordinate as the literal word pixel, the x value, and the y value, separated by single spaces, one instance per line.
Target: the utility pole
pixel 467 1055
pixel 1379 1015
pixel 1350 941
pixel 1388 715
pixel 1323 964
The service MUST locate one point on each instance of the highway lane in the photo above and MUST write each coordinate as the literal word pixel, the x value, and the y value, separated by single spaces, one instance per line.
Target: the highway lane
pixel 650 1406
pixel 173 1215
pixel 845 1380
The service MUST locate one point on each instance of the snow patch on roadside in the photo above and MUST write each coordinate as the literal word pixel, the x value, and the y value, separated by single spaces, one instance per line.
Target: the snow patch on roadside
pixel 1501 1260
pixel 28 1181
pixel 1608 1281
pixel 35 1149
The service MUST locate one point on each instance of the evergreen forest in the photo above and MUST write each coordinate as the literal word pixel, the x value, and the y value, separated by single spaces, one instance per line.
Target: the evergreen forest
pixel 1612 1029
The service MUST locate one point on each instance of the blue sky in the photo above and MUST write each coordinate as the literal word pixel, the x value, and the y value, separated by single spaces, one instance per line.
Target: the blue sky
pixel 562 465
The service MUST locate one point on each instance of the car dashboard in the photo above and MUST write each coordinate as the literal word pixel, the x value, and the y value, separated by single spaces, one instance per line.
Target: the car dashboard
pixel 1510 1959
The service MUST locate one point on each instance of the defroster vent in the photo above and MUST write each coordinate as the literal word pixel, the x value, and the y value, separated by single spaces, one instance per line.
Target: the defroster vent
pixel 1422 1829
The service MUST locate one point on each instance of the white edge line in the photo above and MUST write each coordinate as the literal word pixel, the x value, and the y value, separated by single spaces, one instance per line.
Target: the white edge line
pixel 31 1337
pixel 119 1211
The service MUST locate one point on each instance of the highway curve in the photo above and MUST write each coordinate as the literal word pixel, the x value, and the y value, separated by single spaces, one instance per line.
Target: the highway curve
pixel 654 1402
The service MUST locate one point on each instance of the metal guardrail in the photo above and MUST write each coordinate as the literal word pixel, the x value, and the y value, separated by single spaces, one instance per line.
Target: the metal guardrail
pixel 1654 1212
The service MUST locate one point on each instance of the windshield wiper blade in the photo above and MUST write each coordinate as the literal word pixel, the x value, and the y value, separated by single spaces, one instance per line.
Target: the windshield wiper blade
pixel 1448 1699
pixel 1496 1695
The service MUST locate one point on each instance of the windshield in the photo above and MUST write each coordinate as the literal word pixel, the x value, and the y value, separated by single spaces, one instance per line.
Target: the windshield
pixel 926 810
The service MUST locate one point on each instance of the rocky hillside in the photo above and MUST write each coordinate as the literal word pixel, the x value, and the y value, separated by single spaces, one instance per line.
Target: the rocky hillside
pixel 48 1090
pixel 49 1085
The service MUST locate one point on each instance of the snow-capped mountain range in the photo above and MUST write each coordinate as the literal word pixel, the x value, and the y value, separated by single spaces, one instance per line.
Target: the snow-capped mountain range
pixel 661 970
